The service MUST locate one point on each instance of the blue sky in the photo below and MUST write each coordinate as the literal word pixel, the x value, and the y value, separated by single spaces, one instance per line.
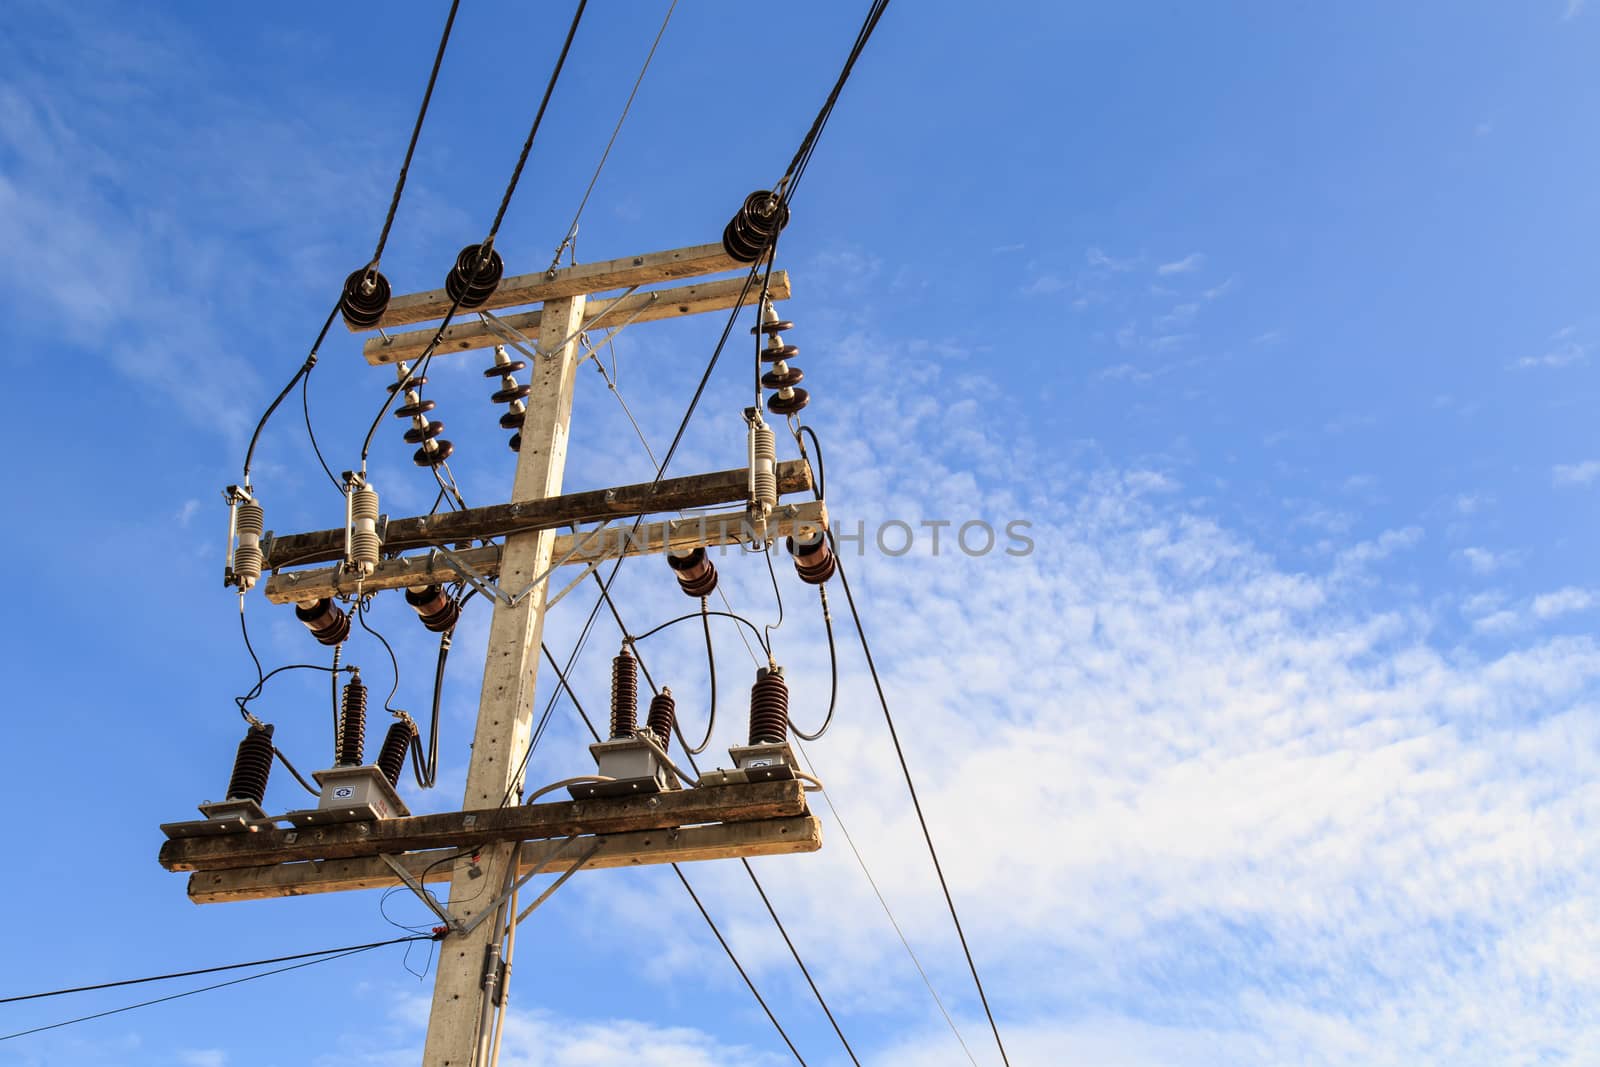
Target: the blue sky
pixel 1277 322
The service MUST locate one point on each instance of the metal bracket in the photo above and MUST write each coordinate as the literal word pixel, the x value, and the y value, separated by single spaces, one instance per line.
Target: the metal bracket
pixel 492 590
pixel 559 882
pixel 494 905
pixel 424 894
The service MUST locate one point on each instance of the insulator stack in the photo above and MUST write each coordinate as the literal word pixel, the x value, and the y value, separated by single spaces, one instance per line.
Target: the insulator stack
pixel 365 298
pixel 432 449
pixel 763 464
pixel 396 744
pixel 473 279
pixel 252 765
pixel 327 621
pixel 248 522
pixel 624 695
pixel 364 541
pixel 437 609
pixel 789 398
pixel 696 574
pixel 754 226
pixel 813 560
pixel 769 707
pixel 353 724
pixel 663 712
pixel 511 393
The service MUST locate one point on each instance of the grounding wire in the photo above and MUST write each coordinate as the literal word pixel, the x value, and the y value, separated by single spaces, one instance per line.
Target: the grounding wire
pixel 572 230
pixel 394 662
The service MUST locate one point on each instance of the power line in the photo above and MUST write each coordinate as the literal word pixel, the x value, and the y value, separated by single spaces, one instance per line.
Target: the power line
pixel 207 970
pixel 572 230
pixel 911 787
pixel 336 955
pixel 416 131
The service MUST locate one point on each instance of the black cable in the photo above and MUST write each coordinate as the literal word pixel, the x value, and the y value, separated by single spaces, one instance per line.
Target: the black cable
pixel 207 970
pixel 911 787
pixel 711 672
pixel 304 369
pixel 833 671
pixel 248 647
pixel 416 131
pixel 777 593
pixel 305 406
pixel 737 965
pixel 255 690
pixel 307 786
pixel 192 992
pixel 803 969
pixel 802 156
pixel 527 146
pixel 361 617
pixel 631 638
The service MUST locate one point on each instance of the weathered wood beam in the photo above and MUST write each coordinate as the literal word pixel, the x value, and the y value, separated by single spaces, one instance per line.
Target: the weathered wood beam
pixel 802 521
pixel 652 306
pixel 768 837
pixel 624 501
pixel 600 277
pixel 458 829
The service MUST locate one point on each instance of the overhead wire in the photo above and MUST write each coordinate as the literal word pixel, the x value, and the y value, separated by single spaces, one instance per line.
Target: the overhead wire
pixel 333 954
pixel 572 230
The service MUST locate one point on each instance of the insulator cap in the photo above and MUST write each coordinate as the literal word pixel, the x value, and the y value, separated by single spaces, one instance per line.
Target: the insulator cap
pixel 365 298
pixel 813 561
pixel 327 621
pixel 435 607
pixel 442 450
pixel 696 574
pixel 469 285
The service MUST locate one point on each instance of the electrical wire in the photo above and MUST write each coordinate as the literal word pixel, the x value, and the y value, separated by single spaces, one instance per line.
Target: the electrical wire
pixel 538 117
pixel 205 970
pixel 737 965
pixel 911 787
pixel 833 674
pixel 338 955
pixel 305 407
pixel 304 369
pixel 416 131
pixel 632 638
pixel 711 673
pixel 572 230
pixel 307 786
pixel 394 662
pixel 777 594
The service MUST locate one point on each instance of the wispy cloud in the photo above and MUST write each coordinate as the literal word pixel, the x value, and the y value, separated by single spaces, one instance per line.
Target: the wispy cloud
pixel 1568 354
pixel 1563 602
pixel 1192 262
pixel 1483 561
pixel 1573 10
pixel 1571 474
pixel 1098 259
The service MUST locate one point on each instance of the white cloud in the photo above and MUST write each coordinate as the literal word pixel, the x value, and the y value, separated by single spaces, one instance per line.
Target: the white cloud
pixel 1573 10
pixel 1569 474
pixel 1098 259
pixel 1567 354
pixel 1562 602
pixel 208 1057
pixel 1498 622
pixel 1191 262
pixel 1483 561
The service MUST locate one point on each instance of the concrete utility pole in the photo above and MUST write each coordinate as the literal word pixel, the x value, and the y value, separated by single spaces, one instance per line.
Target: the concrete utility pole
pixel 758 808
pixel 458 1026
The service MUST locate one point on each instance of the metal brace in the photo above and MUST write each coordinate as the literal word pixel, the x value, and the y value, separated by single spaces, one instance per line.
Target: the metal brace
pixel 494 905
pixel 492 589
pixel 424 894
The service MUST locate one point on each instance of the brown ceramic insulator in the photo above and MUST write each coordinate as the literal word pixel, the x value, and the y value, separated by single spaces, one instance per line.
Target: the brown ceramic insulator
pixel 779 404
pixel 353 724
pixel 663 712
pixel 396 744
pixel 252 764
pixel 787 378
pixel 769 707
pixel 437 610
pixel 327 621
pixel 814 562
pixel 624 695
pixel 696 574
